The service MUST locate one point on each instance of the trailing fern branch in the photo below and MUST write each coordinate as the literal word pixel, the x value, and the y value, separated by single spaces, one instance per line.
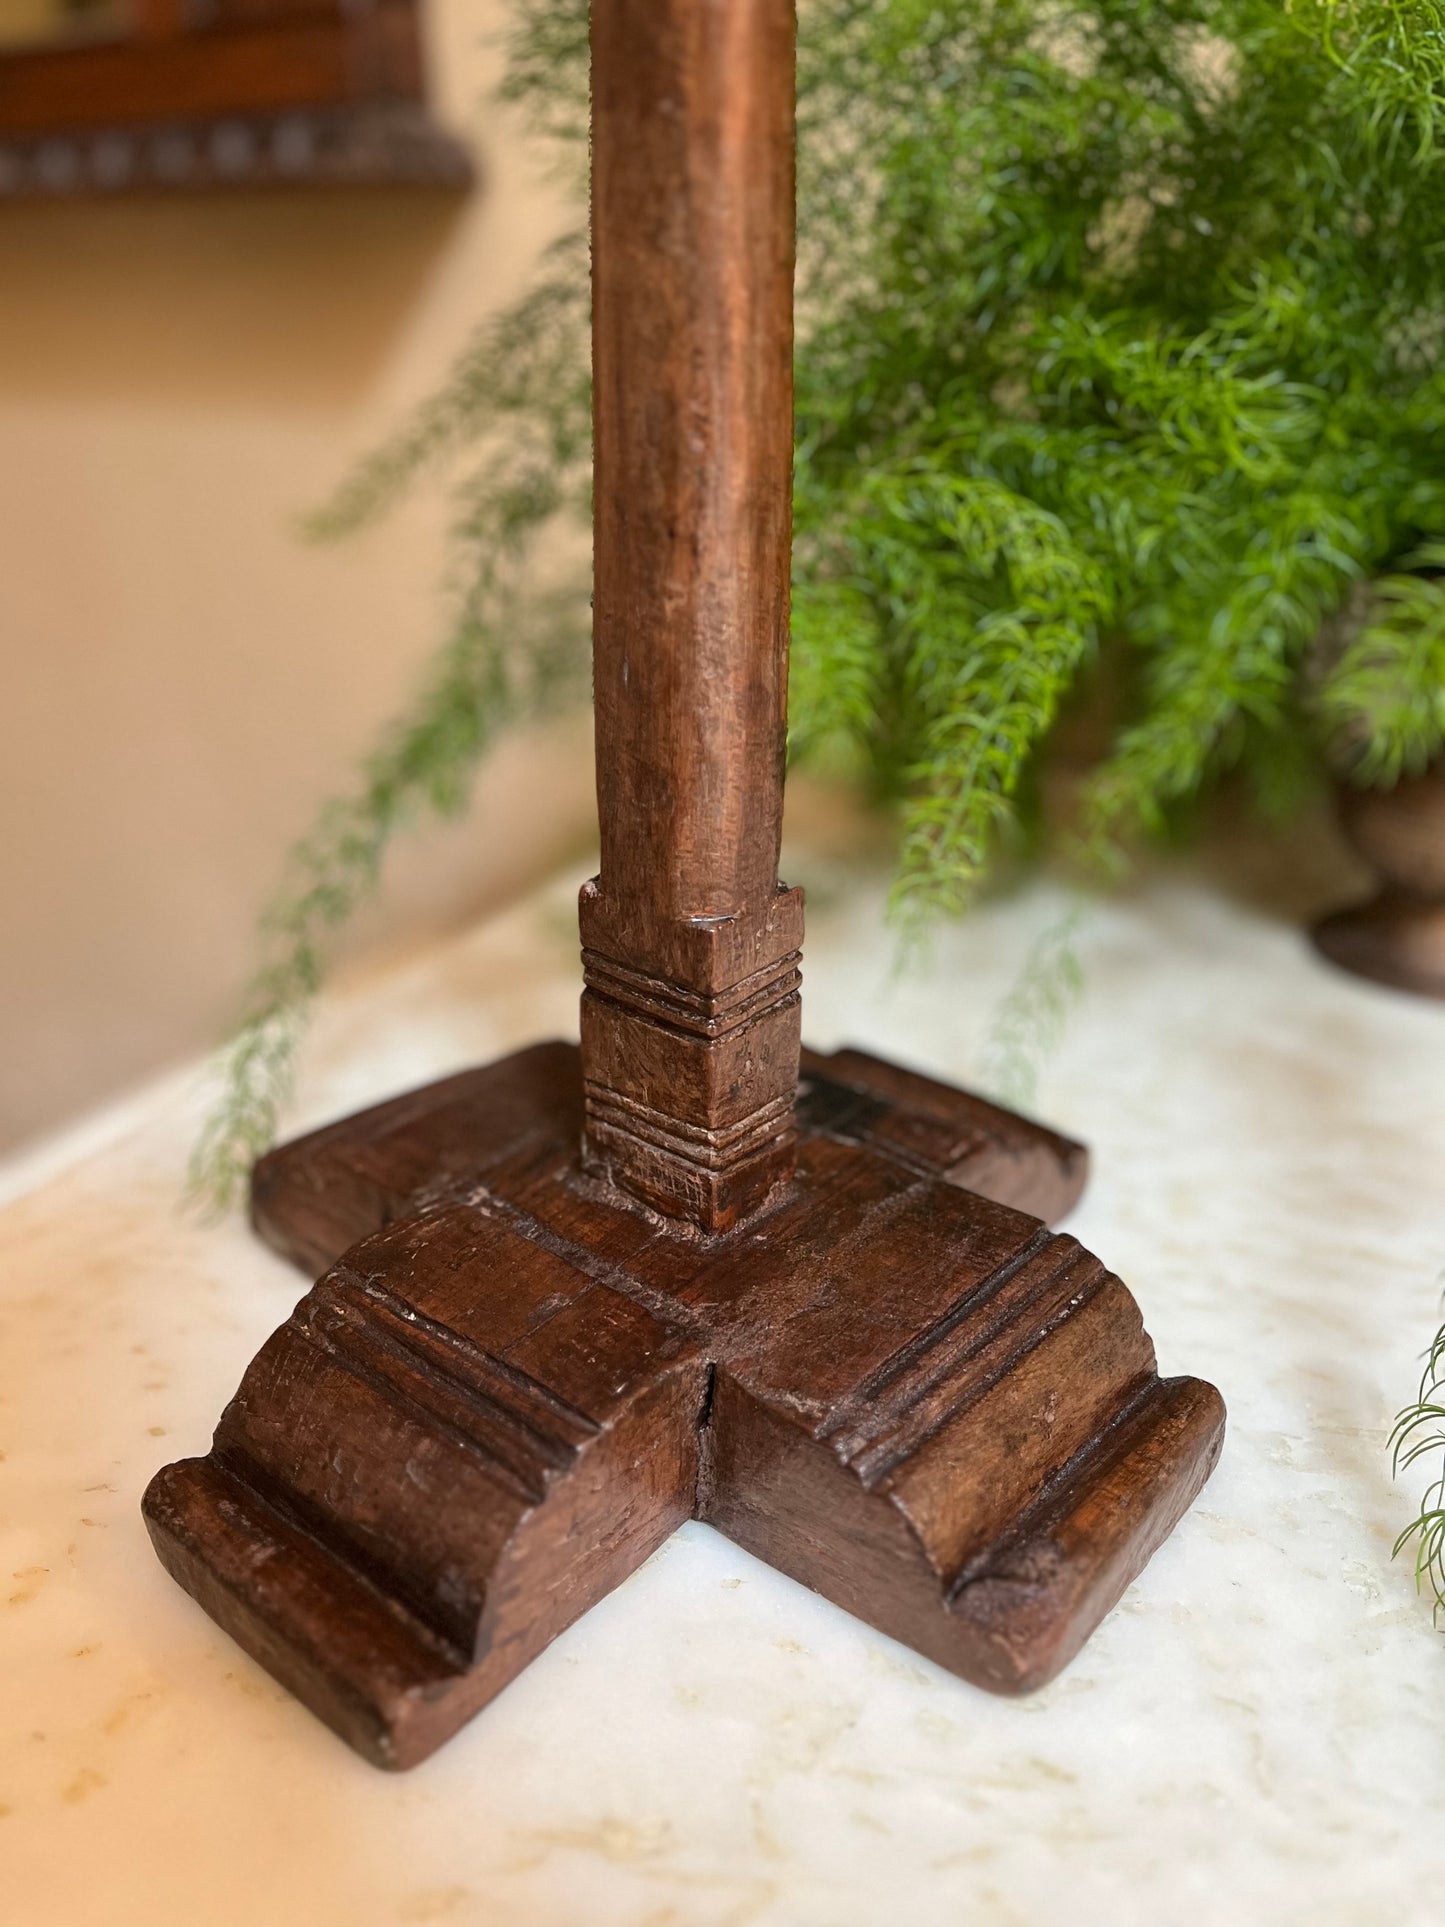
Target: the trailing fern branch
pixel 524 375
pixel 1419 1434
pixel 507 662
pixel 1386 699
pixel 1030 1019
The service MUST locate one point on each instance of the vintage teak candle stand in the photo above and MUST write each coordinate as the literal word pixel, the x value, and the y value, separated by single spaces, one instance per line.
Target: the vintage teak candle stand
pixel 577 1297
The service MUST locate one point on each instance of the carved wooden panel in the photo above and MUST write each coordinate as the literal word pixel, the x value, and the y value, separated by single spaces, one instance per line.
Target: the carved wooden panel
pixel 166 93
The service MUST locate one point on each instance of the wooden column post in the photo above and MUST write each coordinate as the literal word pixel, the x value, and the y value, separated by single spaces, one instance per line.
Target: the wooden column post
pixel 897 1386
pixel 690 1018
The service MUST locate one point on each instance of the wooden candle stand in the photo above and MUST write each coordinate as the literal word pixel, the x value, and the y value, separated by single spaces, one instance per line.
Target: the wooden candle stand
pixel 577 1297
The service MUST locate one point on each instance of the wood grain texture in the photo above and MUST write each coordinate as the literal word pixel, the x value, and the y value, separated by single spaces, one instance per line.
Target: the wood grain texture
pixel 513 1382
pixel 690 1023
pixel 579 1296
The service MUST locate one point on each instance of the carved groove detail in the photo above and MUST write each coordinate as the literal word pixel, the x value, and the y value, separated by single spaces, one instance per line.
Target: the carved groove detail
pixel 520 1431
pixel 709 1151
pixel 902 1366
pixel 975 1343
pixel 661 1304
pixel 268 1517
pixel 708 1014
pixel 1130 1423
pixel 536 1404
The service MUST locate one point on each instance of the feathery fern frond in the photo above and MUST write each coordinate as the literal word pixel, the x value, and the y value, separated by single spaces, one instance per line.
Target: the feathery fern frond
pixel 1419 1433
pixel 511 659
pixel 1385 701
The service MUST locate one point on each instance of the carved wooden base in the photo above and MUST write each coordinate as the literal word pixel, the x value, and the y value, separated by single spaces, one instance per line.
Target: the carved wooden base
pixel 515 1382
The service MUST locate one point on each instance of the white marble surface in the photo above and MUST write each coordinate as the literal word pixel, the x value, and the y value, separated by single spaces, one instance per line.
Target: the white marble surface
pixel 1256 1734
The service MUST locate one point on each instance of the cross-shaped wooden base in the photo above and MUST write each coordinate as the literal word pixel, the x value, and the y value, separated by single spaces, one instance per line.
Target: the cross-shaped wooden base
pixel 577 1299
pixel 515 1382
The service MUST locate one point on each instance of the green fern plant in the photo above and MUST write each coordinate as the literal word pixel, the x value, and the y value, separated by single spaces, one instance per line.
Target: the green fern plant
pixel 1419 1434
pixel 1117 365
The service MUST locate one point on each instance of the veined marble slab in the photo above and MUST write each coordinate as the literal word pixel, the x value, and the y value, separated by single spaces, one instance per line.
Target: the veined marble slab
pixel 1256 1734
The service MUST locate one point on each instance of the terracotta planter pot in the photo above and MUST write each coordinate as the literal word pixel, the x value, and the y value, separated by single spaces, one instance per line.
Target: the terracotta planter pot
pixel 1399 936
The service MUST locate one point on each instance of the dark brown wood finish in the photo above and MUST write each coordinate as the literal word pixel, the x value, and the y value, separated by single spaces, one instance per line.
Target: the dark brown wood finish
pixel 690 1022
pixel 574 1298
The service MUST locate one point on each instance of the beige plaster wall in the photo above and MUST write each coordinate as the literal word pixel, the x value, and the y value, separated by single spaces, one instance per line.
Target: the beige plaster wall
pixel 181 678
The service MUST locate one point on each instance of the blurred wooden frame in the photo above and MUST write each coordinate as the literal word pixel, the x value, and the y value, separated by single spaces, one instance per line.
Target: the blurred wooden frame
pixel 219 92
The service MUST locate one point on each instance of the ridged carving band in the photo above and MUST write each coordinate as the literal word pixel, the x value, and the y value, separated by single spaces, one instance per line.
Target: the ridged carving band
pixel 710 1015
pixel 712 1151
